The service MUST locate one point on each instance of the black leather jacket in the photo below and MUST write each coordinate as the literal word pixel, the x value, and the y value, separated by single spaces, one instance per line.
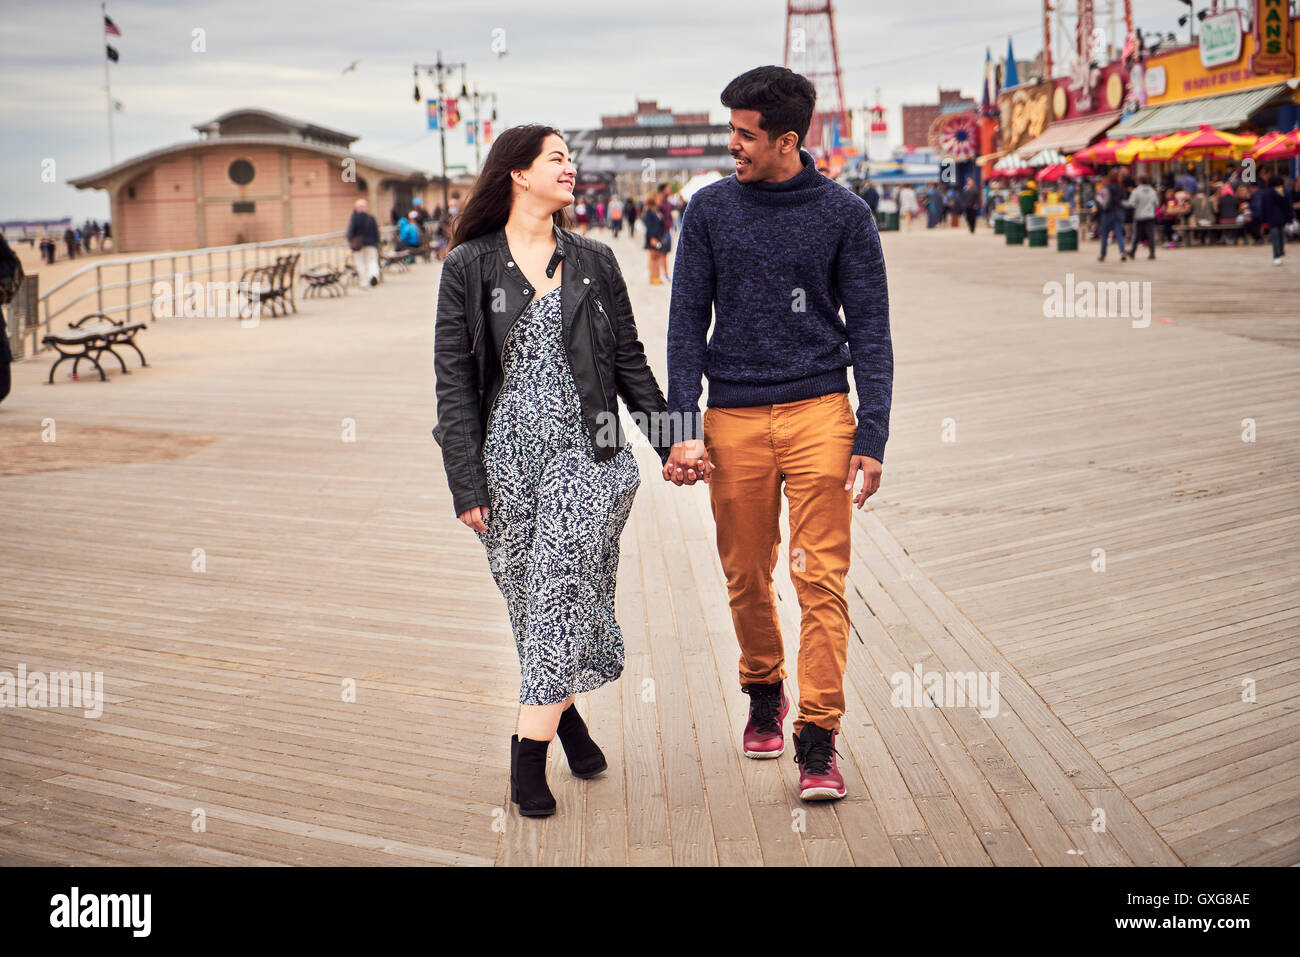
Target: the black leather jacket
pixel 481 295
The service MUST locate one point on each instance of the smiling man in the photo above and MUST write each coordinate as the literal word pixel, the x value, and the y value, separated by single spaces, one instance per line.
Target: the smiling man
pixel 774 252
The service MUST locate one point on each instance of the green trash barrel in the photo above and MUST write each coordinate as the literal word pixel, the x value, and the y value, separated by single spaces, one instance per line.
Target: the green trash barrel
pixel 1036 230
pixel 1067 234
pixel 999 224
pixel 1015 230
pixel 890 221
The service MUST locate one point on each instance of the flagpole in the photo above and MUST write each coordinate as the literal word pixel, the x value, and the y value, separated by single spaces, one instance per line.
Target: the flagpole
pixel 108 90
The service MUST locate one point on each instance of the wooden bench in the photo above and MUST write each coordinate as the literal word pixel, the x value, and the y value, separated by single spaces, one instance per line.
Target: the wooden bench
pixel 92 336
pixel 1194 229
pixel 324 279
pixel 396 257
pixel 271 284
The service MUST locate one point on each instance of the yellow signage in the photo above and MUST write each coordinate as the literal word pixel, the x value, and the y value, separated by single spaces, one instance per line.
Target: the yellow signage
pixel 1026 111
pixel 1274 38
pixel 1186 79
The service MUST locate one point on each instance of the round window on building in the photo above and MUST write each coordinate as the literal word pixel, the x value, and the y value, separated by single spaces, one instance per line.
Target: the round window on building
pixel 241 172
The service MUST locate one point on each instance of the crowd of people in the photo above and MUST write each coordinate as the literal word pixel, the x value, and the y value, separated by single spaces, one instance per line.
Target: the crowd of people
pixel 1134 211
pixel 658 213
pixel 418 232
pixel 941 204
pixel 76 241
pixel 1183 209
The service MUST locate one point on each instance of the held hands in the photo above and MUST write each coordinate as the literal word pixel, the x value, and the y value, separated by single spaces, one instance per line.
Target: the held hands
pixel 687 463
pixel 870 470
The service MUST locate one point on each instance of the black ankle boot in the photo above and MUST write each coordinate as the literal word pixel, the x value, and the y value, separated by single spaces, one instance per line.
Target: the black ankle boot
pixel 528 777
pixel 585 759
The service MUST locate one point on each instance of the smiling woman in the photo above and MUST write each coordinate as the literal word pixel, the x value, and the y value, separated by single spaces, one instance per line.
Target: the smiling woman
pixel 535 328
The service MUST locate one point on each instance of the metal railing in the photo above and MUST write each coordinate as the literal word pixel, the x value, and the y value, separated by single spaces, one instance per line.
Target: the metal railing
pixel 180 268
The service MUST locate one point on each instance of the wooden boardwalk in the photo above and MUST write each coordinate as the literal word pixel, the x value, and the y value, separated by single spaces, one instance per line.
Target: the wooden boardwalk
pixel 230 735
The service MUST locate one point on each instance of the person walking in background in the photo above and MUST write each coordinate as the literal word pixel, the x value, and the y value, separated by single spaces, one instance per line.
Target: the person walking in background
pixel 615 215
pixel 1254 206
pixel 871 196
pixel 969 203
pixel 70 241
pixel 935 203
pixel 656 239
pixel 440 228
pixel 1278 210
pixel 665 198
pixel 11 278
pixel 778 404
pixel 1069 193
pixel 421 214
pixel 363 237
pixel 528 422
pixel 907 205
pixel 1110 203
pixel 1144 201
pixel 629 216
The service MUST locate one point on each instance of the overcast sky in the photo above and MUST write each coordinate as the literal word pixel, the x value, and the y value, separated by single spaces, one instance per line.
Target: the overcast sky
pixel 567 64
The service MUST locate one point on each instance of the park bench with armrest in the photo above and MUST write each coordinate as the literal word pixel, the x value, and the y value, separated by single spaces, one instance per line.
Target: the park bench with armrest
pixel 271 284
pixel 91 336
pixel 324 279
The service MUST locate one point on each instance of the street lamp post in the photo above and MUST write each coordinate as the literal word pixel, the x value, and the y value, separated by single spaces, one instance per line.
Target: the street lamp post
pixel 478 98
pixel 438 69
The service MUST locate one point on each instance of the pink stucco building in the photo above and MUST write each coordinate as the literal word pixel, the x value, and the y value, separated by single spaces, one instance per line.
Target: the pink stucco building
pixel 252 176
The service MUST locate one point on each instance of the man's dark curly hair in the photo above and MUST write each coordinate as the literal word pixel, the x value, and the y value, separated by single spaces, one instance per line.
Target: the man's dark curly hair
pixel 783 99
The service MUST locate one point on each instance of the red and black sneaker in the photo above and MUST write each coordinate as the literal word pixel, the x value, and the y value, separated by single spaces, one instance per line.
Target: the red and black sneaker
pixel 819 776
pixel 768 707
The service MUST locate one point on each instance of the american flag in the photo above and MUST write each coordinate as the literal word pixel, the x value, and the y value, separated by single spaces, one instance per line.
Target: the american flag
pixel 110 28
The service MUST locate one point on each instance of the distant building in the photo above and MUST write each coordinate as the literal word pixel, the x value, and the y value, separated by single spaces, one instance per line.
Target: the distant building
pixel 650 113
pixel 631 153
pixel 252 176
pixel 918 118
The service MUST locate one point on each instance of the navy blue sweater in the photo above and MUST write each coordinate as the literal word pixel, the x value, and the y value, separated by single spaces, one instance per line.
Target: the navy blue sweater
pixel 775 262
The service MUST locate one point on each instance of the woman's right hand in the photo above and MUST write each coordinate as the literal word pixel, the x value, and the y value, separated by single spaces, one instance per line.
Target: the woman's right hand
pixel 475 518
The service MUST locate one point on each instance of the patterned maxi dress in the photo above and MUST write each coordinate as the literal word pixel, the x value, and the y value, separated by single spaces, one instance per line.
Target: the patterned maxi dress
pixel 555 516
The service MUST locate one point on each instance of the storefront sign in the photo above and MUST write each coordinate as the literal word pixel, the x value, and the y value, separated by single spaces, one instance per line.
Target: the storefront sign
pixel 1156 80
pixel 1221 39
pixel 1185 78
pixel 1274 38
pixel 1026 111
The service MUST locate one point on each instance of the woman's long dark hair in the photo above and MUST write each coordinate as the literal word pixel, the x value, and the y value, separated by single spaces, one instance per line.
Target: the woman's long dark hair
pixel 488 206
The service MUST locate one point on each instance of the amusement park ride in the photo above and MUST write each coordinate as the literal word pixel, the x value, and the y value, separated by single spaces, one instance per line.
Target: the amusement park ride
pixel 811 49
pixel 1071 34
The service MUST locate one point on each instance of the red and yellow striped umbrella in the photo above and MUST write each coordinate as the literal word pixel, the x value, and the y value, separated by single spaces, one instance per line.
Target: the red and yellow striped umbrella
pixel 1139 149
pixel 1207 141
pixel 1102 151
pixel 1277 146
